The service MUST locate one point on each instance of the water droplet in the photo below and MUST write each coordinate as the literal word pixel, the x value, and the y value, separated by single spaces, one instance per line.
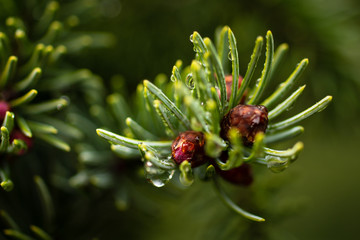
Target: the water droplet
pixel 197 49
pixel 230 57
pixel 161 180
pixel 257 82
pixel 190 81
pixel 157 182
pixel 171 174
pixel 149 168
pixel 172 78
pixel 158 177
pixel 191 38
pixel 276 164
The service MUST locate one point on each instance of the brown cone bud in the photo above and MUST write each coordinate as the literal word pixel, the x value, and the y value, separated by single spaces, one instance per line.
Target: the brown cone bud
pixel 249 120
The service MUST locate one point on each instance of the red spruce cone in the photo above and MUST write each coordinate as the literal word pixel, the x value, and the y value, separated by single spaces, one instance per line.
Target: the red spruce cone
pixel 241 175
pixel 228 81
pixel 189 146
pixel 247 119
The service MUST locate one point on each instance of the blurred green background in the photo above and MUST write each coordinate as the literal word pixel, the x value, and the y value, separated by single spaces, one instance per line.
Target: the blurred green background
pixel 324 182
pixel 152 35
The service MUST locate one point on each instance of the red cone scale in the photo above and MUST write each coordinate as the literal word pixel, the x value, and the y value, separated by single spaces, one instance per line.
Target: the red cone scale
pixel 189 146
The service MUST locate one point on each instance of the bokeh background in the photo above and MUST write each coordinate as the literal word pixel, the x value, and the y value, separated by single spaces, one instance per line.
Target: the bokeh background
pixel 324 183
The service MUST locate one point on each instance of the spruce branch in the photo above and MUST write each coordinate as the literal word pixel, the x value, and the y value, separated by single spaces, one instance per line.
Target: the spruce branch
pixel 34 76
pixel 210 105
